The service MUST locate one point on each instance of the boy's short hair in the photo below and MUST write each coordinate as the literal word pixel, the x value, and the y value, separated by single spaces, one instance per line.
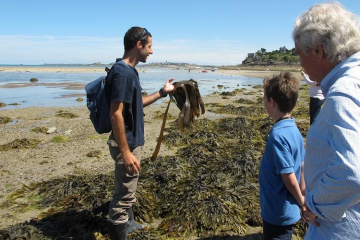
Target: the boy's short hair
pixel 284 89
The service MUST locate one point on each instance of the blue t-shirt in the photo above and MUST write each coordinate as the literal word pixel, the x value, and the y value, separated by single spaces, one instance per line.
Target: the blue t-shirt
pixel 284 153
pixel 123 85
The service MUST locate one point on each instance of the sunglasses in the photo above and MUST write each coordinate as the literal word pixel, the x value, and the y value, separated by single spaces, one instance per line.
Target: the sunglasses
pixel 144 33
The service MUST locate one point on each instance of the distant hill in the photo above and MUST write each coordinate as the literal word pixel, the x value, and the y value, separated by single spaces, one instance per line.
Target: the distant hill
pixel 282 56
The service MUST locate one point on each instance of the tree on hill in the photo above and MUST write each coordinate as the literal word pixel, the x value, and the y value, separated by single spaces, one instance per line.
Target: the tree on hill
pixel 280 56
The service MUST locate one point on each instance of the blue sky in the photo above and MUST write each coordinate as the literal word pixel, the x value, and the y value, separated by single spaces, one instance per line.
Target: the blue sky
pixel 197 31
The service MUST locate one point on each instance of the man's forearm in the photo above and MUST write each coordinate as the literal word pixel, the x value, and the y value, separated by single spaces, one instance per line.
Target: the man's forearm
pixel 147 100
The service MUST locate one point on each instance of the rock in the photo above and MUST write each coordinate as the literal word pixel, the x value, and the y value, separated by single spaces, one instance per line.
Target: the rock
pixel 51 130
pixel 68 132
pixel 40 130
pixel 65 114
pixel 4 120
pixel 95 153
pixel 34 80
pixel 2 105
pixel 79 99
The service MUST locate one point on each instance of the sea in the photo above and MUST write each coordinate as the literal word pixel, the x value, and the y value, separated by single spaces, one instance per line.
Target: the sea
pixel 54 92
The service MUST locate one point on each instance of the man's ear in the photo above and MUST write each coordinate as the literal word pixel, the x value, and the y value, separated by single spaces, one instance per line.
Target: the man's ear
pixel 318 52
pixel 139 45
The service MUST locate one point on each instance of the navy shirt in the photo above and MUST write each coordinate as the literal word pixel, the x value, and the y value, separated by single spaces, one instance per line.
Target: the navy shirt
pixel 123 85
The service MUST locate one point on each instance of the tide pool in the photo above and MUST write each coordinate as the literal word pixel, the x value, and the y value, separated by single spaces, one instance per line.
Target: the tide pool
pixel 54 89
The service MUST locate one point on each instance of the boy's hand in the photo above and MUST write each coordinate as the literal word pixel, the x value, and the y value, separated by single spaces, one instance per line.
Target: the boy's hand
pixel 309 216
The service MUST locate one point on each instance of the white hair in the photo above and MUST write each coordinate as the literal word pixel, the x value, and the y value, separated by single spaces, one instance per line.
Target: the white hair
pixel 332 26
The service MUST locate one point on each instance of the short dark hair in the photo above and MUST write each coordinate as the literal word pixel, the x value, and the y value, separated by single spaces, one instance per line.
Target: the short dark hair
pixel 284 89
pixel 135 34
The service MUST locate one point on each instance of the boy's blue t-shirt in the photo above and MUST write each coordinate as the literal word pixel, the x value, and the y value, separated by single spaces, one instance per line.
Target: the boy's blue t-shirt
pixel 123 85
pixel 284 153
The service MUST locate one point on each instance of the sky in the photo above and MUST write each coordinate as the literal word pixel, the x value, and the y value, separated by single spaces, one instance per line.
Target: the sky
pixel 209 32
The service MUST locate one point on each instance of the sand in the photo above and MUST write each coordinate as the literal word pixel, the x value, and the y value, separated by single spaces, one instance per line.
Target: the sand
pixel 50 159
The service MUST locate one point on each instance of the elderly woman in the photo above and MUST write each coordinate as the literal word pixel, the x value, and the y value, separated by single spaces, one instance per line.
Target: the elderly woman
pixel 327 39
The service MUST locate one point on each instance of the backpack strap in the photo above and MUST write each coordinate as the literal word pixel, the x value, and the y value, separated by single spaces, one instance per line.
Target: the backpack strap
pixel 156 151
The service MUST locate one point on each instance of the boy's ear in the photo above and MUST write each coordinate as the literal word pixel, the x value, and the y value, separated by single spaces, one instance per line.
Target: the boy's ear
pixel 272 102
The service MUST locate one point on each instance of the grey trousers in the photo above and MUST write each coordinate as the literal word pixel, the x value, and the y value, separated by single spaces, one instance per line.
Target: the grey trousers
pixel 125 185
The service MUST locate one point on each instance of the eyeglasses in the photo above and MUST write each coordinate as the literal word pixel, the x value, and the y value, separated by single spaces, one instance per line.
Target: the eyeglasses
pixel 144 33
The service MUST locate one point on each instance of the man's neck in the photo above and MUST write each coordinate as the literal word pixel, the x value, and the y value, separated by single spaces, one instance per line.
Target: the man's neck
pixel 130 60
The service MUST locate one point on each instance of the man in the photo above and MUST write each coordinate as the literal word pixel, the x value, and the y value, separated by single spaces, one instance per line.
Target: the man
pixel 127 119
pixel 327 39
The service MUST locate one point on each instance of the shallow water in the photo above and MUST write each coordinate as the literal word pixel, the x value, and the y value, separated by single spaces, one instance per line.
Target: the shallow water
pixel 152 79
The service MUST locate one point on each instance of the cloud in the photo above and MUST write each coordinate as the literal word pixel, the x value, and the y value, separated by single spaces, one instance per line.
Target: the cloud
pixel 28 49
pixel 25 49
pixel 215 51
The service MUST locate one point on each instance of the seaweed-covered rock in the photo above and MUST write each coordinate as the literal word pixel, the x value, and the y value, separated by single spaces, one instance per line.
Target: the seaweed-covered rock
pixel 65 114
pixel 20 143
pixel 4 120
pixel 33 80
pixel 40 129
pixel 244 101
pixel 94 153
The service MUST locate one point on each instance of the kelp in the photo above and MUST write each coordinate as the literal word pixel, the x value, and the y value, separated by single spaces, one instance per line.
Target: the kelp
pixel 76 205
pixel 252 110
pixel 208 188
pixel 244 101
pixel 188 100
pixel 209 185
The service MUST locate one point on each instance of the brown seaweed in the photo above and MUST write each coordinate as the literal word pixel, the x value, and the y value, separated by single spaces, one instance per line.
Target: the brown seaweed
pixel 189 101
pixel 208 189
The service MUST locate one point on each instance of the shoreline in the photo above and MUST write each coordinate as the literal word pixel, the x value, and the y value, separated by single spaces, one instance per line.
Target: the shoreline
pixel 100 69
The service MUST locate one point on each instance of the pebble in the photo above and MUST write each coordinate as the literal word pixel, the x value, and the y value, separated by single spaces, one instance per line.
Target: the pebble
pixel 51 130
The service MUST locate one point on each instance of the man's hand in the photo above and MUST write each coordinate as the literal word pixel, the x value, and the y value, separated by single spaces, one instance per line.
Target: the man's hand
pixel 168 87
pixel 131 163
pixel 309 216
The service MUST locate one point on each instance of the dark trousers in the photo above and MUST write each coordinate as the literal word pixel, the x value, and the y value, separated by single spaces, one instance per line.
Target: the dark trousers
pixel 315 106
pixel 277 232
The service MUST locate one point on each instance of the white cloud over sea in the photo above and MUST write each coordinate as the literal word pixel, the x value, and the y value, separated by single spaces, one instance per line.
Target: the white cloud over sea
pixel 31 49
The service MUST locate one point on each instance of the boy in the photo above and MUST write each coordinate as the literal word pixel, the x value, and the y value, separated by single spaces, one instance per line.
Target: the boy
pixel 281 165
